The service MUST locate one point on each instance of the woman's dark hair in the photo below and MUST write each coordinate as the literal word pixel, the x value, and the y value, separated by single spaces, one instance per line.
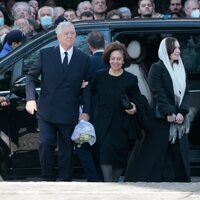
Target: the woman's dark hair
pixel 170 45
pixel 116 46
pixel 86 14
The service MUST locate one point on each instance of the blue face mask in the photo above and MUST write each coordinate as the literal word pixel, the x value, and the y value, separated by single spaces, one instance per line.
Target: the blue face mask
pixel 46 21
pixel 1 21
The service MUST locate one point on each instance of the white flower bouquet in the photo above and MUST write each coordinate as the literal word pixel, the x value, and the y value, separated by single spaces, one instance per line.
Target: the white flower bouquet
pixel 83 132
pixel 83 137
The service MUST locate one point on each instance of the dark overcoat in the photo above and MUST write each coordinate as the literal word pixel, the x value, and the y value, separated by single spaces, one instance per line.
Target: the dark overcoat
pixel 113 125
pixel 147 162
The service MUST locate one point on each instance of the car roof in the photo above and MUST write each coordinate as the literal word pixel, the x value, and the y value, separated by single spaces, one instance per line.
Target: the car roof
pixel 136 24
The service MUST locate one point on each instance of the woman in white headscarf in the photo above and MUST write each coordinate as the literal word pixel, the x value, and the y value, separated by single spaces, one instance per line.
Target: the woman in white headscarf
pixel 164 155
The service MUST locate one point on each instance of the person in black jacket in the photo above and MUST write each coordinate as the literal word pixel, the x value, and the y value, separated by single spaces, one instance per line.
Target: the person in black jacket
pixel 164 155
pixel 96 44
pixel 114 123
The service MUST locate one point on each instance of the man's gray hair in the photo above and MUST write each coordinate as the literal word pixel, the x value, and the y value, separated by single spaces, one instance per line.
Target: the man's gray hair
pixel 82 3
pixel 124 10
pixel 63 25
pixel 25 4
pixel 50 8
pixel 188 1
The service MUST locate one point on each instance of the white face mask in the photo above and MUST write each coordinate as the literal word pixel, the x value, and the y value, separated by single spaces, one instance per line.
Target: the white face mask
pixel 1 21
pixel 195 13
pixel 46 21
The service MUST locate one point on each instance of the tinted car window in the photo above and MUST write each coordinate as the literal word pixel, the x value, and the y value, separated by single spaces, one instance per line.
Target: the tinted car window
pixel 190 47
pixel 30 59
pixel 5 80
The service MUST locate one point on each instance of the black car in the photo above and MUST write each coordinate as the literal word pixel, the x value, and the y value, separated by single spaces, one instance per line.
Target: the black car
pixel 19 130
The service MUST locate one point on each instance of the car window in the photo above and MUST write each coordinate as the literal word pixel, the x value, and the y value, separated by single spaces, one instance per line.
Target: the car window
pixel 5 80
pixel 81 43
pixel 191 52
pixel 189 42
pixel 31 58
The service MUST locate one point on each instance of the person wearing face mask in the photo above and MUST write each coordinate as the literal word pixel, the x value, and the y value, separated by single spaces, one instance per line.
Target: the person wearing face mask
pixel 45 17
pixel 191 6
pixel 195 13
pixel 4 30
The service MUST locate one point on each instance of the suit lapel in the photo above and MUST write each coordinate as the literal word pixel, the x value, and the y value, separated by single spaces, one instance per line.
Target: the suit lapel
pixel 57 60
pixel 58 66
pixel 72 65
pixel 74 59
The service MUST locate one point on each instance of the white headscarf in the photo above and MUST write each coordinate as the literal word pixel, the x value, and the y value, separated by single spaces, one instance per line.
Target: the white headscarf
pixel 177 72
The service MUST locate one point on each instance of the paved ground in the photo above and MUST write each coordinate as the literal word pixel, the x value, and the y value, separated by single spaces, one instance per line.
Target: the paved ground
pixel 98 191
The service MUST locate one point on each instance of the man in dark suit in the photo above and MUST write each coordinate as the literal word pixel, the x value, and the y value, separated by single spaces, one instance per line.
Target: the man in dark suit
pixel 92 169
pixel 63 69
pixel 88 155
pixel 96 45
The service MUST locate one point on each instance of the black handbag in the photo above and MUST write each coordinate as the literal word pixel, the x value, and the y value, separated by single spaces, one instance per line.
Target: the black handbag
pixel 126 102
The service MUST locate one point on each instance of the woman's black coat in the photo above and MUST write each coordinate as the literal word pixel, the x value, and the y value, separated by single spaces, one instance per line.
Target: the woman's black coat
pixel 146 163
pixel 110 114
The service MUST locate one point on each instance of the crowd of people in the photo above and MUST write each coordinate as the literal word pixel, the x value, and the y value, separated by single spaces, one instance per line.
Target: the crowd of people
pixel 110 96
pixel 31 18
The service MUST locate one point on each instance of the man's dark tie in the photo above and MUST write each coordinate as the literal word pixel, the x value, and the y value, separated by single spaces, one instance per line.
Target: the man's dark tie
pixel 65 61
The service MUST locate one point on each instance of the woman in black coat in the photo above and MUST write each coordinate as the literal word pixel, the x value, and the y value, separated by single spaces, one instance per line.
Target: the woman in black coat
pixel 164 155
pixel 112 121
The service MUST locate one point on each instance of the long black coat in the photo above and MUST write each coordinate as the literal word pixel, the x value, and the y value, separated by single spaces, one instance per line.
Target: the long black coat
pixel 147 163
pixel 96 64
pixel 112 123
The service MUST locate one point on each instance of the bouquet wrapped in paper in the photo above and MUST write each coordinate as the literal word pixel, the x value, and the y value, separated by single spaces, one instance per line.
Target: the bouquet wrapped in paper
pixel 84 132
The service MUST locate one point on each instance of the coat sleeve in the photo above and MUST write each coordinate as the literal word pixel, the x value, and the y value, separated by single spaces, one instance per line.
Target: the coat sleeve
pixel 184 107
pixel 94 84
pixel 32 77
pixel 86 92
pixel 158 91
pixel 144 116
